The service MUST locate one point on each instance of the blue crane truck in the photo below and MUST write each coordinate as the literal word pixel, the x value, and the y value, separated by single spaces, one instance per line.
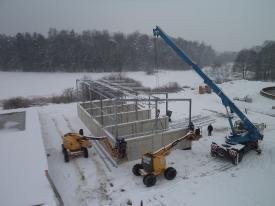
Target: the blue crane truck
pixel 239 141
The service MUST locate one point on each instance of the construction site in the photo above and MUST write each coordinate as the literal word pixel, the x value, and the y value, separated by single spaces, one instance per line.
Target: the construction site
pixel 134 117
pixel 180 141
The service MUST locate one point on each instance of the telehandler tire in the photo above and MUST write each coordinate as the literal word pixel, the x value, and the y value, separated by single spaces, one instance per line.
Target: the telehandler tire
pixel 136 169
pixel 66 155
pixel 149 180
pixel 170 173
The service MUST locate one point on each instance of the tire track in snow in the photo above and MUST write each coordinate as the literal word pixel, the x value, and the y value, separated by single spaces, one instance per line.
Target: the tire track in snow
pixel 82 178
pixel 61 135
pixel 61 174
pixel 103 180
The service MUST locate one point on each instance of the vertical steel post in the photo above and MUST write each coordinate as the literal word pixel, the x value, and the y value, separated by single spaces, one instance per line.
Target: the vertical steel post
pixel 166 102
pixel 190 110
pixel 156 108
pixel 156 114
pixel 77 92
pixel 101 112
pixel 136 108
pixel 116 118
pixel 90 97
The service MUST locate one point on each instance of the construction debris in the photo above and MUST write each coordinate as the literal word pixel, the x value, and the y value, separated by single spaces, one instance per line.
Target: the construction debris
pixel 204 89
pixel 244 99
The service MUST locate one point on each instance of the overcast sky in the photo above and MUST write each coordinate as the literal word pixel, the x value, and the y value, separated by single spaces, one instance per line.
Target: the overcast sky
pixel 227 25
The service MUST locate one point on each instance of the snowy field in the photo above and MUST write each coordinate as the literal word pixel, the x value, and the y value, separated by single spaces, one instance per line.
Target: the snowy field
pixel 201 179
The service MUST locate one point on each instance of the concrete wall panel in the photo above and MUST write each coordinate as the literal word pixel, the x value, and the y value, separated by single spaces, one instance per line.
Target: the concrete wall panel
pixel 96 111
pixel 138 145
pixel 138 127
pixel 124 117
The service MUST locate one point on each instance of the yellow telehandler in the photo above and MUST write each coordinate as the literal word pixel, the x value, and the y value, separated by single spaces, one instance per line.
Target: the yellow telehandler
pixel 153 164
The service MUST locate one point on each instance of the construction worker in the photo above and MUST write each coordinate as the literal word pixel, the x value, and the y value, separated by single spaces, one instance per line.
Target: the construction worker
pixel 191 126
pixel 210 129
pixel 122 147
pixel 197 131
pixel 157 114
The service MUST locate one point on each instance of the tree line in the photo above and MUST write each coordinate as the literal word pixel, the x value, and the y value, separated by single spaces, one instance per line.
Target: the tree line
pixel 260 60
pixel 95 51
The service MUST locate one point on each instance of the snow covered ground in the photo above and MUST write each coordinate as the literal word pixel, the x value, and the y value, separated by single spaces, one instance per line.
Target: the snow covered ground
pixel 201 179
pixel 23 164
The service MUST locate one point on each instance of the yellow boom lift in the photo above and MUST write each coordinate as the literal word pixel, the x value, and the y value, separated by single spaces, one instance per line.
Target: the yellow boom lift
pixel 76 144
pixel 154 163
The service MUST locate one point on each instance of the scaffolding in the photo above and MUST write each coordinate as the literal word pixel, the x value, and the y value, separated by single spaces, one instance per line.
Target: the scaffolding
pixel 88 90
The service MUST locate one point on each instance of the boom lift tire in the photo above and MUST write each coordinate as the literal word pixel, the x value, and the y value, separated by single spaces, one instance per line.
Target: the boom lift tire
pixel 170 173
pixel 85 152
pixel 136 169
pixel 66 155
pixel 149 180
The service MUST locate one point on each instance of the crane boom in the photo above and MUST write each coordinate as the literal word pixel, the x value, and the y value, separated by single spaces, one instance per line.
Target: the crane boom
pixel 253 133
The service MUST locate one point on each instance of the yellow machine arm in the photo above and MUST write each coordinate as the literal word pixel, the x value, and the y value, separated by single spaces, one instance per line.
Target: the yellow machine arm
pixel 79 136
pixel 93 138
pixel 164 151
pixel 117 151
pixel 109 147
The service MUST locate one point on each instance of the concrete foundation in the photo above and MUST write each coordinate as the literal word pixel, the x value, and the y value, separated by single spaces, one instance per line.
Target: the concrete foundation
pixel 141 133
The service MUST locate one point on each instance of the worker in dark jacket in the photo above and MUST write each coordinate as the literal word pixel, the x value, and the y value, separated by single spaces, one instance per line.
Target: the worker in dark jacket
pixel 191 126
pixel 210 129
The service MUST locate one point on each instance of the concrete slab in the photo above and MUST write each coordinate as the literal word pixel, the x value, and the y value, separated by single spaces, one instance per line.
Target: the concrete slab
pixel 12 122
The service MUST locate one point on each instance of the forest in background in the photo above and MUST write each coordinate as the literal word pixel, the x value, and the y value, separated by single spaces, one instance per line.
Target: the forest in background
pixel 96 51
pixel 260 60
pixel 101 51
